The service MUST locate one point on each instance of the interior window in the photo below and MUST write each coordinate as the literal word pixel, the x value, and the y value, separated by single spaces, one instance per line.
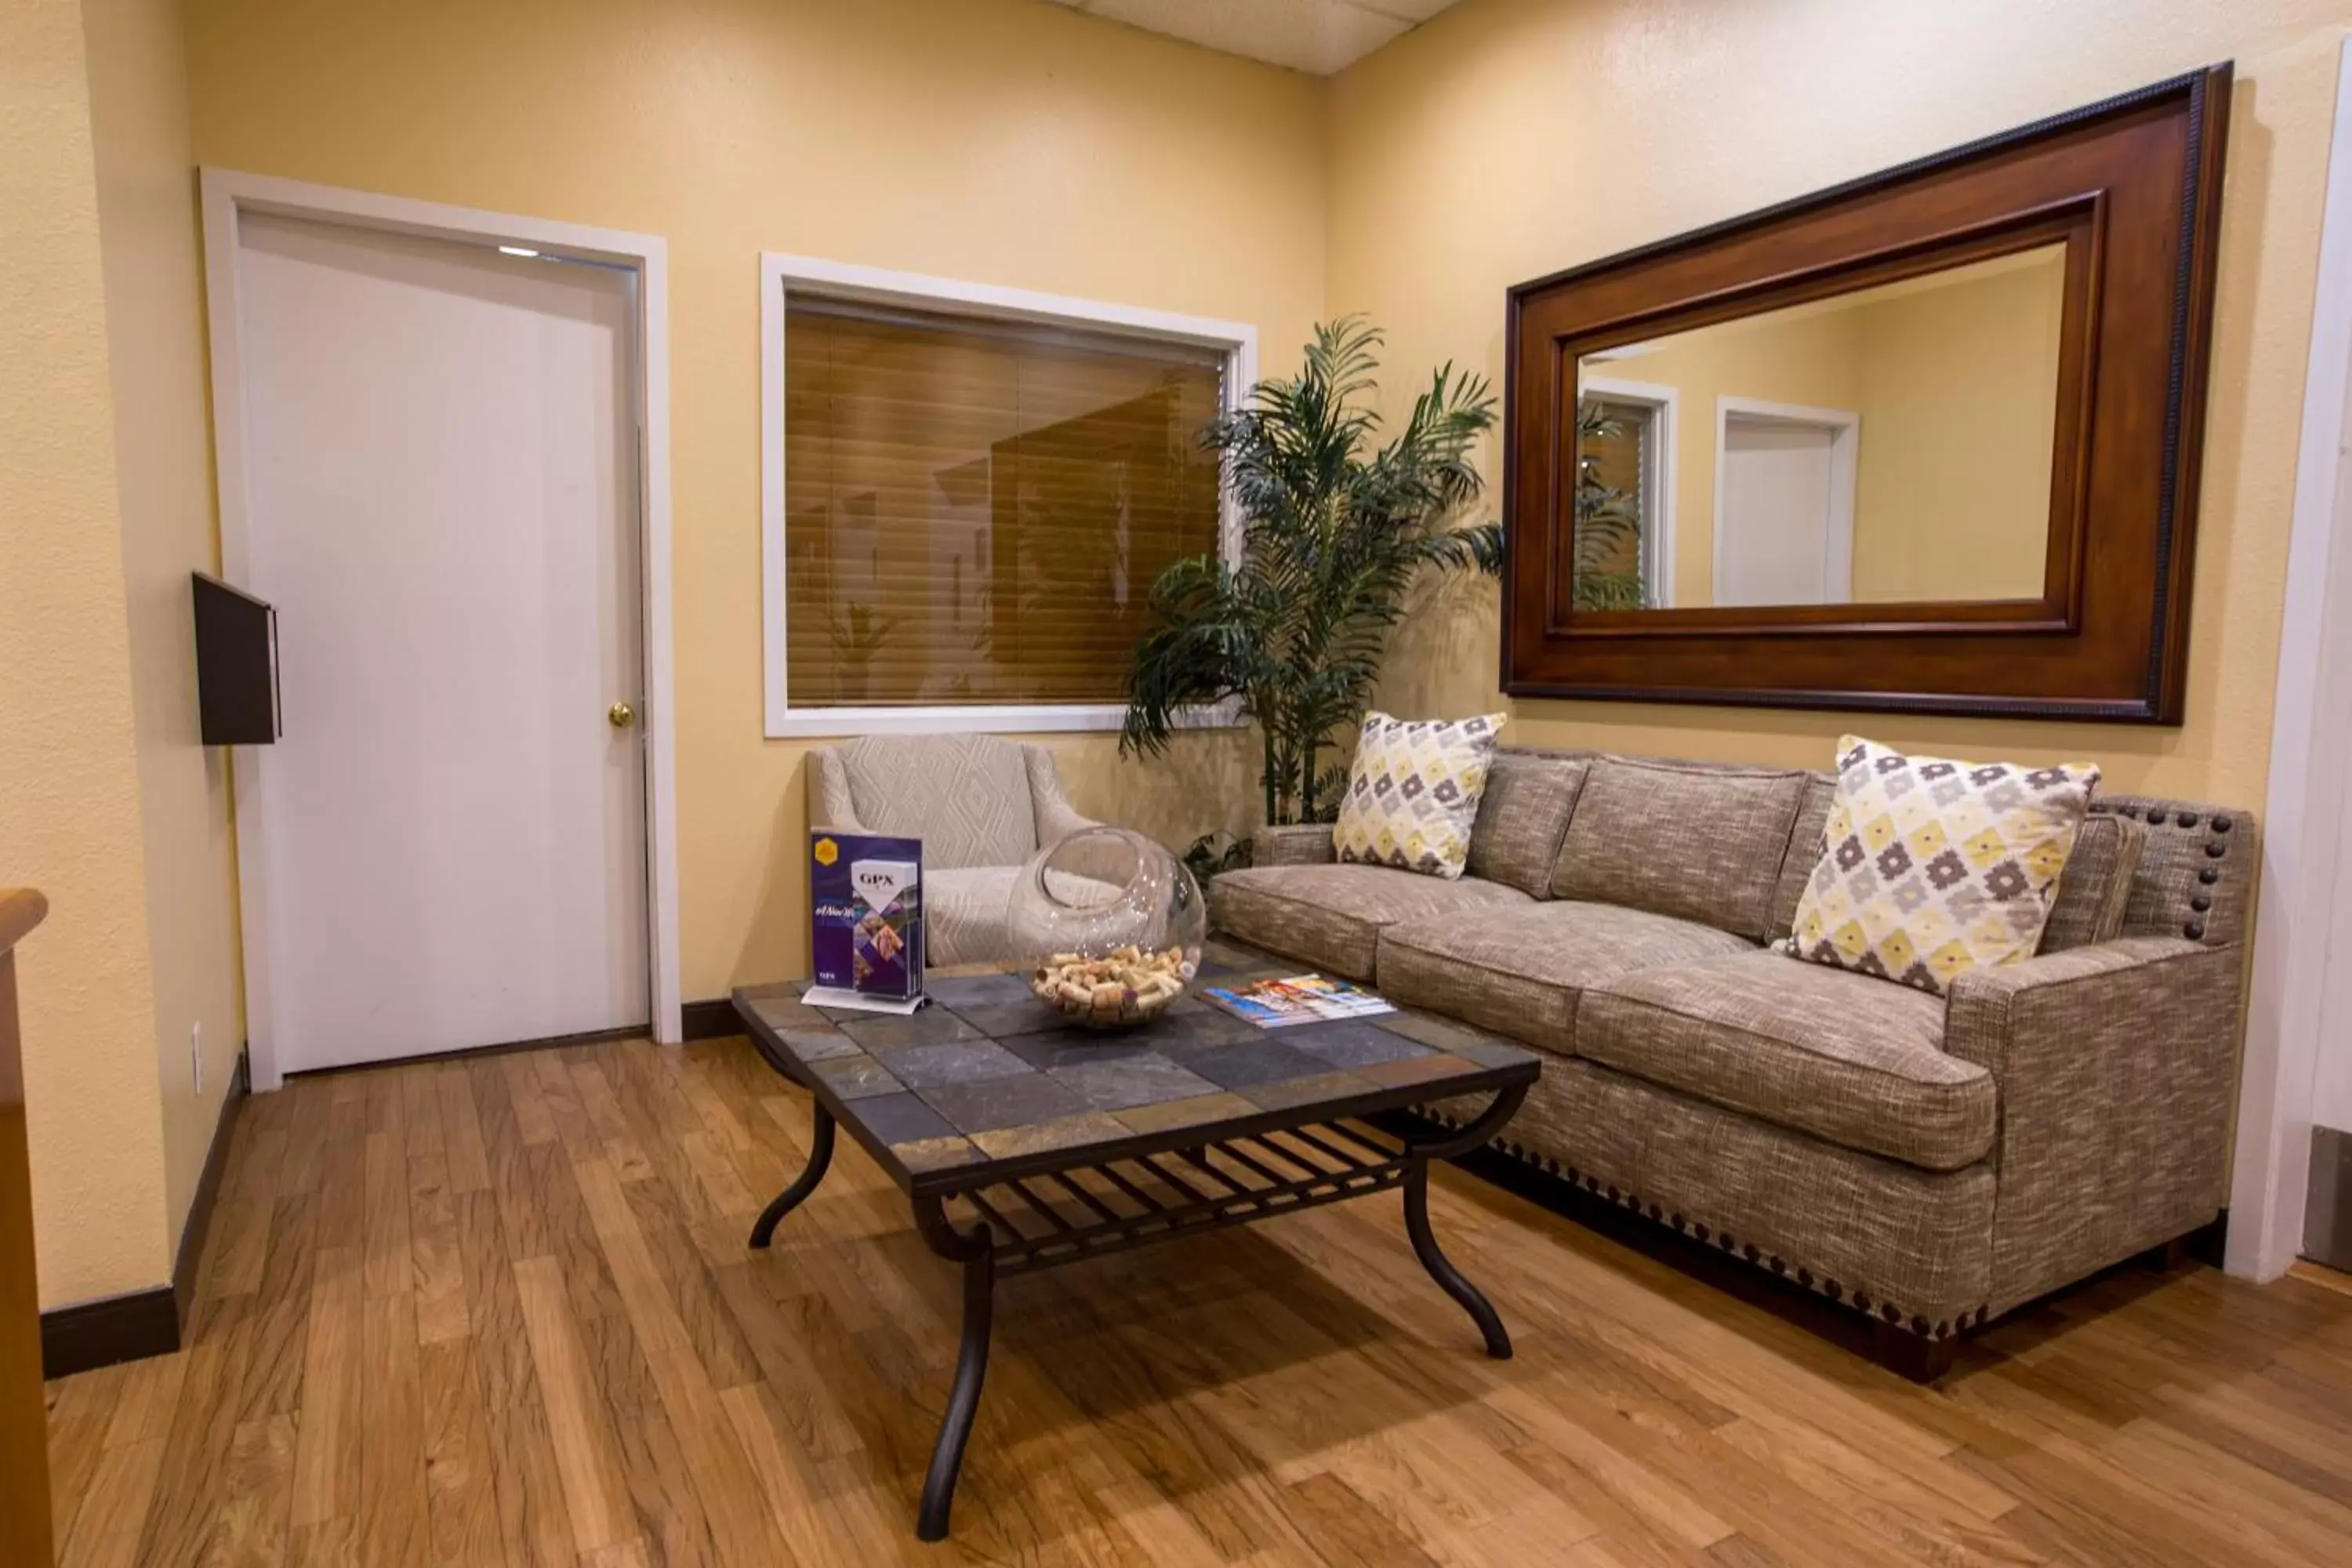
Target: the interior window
pixel 976 509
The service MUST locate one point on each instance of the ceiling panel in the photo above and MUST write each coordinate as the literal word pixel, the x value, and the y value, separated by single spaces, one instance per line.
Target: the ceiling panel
pixel 1318 36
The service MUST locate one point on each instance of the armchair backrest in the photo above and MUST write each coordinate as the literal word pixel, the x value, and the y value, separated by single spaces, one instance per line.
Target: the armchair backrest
pixel 966 796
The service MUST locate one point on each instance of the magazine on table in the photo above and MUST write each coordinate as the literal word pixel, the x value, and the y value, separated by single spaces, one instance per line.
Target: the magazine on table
pixel 1298 999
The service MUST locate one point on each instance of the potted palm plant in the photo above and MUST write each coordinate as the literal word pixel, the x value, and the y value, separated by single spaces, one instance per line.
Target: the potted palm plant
pixel 1335 524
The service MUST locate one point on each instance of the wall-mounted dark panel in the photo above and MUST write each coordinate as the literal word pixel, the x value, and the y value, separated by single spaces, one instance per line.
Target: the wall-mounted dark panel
pixel 237 666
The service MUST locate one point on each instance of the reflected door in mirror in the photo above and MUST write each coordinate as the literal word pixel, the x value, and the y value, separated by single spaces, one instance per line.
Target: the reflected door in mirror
pixel 1784 506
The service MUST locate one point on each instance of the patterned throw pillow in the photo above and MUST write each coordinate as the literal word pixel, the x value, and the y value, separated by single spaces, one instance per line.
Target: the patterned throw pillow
pixel 1414 792
pixel 1936 866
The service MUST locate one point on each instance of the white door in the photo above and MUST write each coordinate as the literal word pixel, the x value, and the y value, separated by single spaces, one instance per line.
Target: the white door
pixel 1784 510
pixel 443 506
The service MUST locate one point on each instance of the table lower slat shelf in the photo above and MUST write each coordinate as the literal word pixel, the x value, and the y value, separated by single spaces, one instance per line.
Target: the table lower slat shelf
pixel 1126 1203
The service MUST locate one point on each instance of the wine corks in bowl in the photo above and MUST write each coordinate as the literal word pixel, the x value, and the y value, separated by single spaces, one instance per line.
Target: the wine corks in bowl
pixel 1127 986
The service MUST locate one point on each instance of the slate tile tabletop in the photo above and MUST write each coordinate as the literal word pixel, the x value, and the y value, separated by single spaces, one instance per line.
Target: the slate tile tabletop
pixel 985 1081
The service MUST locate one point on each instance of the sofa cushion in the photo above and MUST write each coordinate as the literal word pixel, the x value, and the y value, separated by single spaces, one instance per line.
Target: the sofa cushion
pixel 2094 890
pixel 1807 838
pixel 1935 865
pixel 1331 916
pixel 1845 1057
pixel 1520 971
pixel 1413 791
pixel 1697 842
pixel 1522 817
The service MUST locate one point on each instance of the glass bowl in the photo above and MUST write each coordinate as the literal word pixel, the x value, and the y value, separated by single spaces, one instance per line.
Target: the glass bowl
pixel 1108 925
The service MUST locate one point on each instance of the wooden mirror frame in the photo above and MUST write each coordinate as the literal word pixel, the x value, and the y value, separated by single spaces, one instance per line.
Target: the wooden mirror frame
pixel 2132 188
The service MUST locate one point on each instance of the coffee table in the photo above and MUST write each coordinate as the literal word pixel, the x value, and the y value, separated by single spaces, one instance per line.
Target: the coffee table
pixel 1024 1142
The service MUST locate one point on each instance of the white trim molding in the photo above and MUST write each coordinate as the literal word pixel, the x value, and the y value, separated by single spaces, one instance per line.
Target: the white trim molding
pixel 1665 457
pixel 780 274
pixel 2304 851
pixel 227 194
pixel 1845 440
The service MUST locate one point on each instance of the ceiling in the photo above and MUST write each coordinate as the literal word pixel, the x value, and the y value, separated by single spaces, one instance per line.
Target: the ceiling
pixel 1318 36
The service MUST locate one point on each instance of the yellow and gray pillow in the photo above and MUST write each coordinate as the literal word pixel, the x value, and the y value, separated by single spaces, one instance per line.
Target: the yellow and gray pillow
pixel 1412 792
pixel 1934 867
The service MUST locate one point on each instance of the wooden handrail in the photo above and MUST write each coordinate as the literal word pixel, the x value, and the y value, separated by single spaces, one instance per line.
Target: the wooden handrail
pixel 21 910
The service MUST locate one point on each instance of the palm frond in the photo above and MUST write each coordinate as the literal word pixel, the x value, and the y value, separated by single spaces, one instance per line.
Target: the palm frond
pixel 1337 524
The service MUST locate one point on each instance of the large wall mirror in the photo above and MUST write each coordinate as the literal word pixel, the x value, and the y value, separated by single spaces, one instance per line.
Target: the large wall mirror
pixel 1924 442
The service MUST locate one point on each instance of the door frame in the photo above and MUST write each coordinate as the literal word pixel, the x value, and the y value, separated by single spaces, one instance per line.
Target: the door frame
pixel 2303 804
pixel 1845 428
pixel 227 194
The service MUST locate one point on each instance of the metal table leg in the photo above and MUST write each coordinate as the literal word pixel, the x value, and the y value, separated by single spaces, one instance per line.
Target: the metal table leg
pixel 1416 1216
pixel 975 1250
pixel 820 1159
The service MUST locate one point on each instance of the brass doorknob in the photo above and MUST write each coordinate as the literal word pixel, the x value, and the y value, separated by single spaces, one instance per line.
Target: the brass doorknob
pixel 620 715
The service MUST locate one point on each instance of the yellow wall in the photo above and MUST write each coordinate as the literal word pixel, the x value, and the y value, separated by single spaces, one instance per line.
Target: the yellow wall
pixel 1511 138
pixel 149 230
pixel 998 140
pixel 1959 397
pixel 69 779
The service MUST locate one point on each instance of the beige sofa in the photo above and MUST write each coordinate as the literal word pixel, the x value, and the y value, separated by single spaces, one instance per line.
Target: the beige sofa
pixel 1931 1161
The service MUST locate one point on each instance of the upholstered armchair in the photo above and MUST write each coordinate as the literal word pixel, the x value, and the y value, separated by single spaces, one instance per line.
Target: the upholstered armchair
pixel 981 804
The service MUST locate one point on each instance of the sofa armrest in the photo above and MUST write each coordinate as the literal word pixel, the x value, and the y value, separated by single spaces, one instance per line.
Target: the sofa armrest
pixel 1056 818
pixel 2114 1063
pixel 1297 844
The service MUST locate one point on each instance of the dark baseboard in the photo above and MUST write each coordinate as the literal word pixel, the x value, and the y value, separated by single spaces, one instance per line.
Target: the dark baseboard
pixel 191 1255
pixel 708 1020
pixel 100 1334
pixel 147 1322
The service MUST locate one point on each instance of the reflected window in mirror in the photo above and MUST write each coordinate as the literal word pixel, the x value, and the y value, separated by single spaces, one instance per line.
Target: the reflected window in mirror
pixel 1625 472
pixel 1887 445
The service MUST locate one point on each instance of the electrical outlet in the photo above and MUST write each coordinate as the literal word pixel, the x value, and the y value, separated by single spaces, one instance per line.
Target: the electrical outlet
pixel 196 1056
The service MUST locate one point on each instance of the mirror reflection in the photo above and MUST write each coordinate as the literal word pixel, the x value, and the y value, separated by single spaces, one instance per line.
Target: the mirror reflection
pixel 1892 443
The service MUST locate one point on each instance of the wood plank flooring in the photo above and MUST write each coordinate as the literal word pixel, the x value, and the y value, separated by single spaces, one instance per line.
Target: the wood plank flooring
pixel 500 1311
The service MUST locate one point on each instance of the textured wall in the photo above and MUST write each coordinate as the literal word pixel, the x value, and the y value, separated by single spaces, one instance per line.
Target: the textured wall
pixel 149 232
pixel 69 803
pixel 997 139
pixel 1511 138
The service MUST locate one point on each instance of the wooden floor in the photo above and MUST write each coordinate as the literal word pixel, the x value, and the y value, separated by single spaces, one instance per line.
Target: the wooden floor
pixel 500 1311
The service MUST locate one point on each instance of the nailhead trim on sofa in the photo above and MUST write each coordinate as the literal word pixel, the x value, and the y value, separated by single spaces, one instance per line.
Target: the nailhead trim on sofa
pixel 1859 1299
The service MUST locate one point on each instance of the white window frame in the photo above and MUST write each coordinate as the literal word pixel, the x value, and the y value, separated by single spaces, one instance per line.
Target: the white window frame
pixel 1845 426
pixel 1665 403
pixel 780 275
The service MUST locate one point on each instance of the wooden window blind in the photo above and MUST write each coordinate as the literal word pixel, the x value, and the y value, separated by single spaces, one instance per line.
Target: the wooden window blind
pixel 975 510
